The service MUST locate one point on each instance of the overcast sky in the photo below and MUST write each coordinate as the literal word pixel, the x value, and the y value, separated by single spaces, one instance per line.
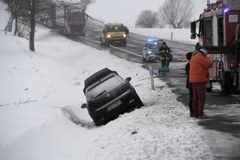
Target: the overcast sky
pixel 127 11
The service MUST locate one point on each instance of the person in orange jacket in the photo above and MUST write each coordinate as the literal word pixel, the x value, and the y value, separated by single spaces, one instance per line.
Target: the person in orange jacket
pixel 198 77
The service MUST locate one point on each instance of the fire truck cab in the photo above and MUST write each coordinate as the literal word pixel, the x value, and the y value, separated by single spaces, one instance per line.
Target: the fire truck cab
pixel 219 32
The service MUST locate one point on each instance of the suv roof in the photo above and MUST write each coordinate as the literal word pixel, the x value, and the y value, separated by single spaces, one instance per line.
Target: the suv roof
pixel 96 76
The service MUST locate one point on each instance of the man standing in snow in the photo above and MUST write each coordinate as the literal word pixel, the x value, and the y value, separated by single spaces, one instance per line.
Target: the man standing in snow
pixel 198 76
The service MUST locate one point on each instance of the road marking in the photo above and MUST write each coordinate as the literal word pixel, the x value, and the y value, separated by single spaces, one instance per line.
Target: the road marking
pixel 90 40
pixel 126 51
pixel 137 41
pixel 132 53
pixel 132 45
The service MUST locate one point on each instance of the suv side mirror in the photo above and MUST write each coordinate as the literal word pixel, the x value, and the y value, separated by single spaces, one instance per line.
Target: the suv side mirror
pixel 128 79
pixel 84 105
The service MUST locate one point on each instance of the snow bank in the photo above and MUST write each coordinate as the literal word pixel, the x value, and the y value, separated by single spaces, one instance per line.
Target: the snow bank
pixel 177 35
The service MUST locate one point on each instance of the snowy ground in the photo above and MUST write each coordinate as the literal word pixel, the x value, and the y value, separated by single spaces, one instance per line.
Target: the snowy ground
pixel 177 35
pixel 39 88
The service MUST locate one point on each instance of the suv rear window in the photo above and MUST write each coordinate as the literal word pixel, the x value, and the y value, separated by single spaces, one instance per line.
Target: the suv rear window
pixel 104 86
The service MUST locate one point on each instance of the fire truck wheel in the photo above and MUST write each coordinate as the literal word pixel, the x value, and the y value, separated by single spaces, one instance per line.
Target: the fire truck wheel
pixel 226 84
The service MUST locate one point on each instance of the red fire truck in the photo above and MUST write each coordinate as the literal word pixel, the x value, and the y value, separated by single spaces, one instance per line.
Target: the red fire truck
pixel 219 32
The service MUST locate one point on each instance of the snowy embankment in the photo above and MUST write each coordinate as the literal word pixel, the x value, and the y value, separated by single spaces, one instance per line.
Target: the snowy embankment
pixel 177 35
pixel 37 88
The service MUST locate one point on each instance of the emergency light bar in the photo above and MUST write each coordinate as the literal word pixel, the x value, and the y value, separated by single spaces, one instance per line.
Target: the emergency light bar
pixel 226 10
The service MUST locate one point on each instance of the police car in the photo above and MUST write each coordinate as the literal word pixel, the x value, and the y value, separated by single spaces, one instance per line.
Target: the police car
pixel 150 49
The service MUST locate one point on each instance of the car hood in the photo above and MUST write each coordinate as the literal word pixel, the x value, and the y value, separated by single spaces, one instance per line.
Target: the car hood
pixel 154 51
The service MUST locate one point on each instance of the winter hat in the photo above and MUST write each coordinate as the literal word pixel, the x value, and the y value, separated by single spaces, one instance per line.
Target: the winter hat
pixel 189 55
pixel 203 50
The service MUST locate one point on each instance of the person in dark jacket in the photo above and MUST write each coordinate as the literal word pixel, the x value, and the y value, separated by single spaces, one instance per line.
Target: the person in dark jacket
pixel 126 30
pixel 189 85
pixel 198 77
pixel 164 52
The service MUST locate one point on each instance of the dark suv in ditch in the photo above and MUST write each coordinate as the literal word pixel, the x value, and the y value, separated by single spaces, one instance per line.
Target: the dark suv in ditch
pixel 108 95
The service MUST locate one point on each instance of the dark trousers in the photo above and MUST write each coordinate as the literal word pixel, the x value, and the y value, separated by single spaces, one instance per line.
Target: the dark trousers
pixel 190 89
pixel 165 63
pixel 199 96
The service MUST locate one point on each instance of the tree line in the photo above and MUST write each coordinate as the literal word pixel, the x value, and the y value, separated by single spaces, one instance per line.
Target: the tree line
pixel 173 13
pixel 27 11
pixel 22 8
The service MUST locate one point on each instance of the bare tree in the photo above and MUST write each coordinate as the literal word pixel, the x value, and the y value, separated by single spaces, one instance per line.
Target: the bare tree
pixel 87 2
pixel 176 12
pixel 147 19
pixel 25 9
pixel 14 8
pixel 32 24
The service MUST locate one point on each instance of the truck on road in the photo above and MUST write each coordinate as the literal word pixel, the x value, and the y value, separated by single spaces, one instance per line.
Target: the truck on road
pixel 70 18
pixel 113 33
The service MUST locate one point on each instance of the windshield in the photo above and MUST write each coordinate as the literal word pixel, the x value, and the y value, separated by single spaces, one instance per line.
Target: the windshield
pixel 154 45
pixel 115 28
pixel 76 16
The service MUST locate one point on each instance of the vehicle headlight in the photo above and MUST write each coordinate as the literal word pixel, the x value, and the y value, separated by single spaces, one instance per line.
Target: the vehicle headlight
pixel 124 35
pixel 149 52
pixel 108 36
